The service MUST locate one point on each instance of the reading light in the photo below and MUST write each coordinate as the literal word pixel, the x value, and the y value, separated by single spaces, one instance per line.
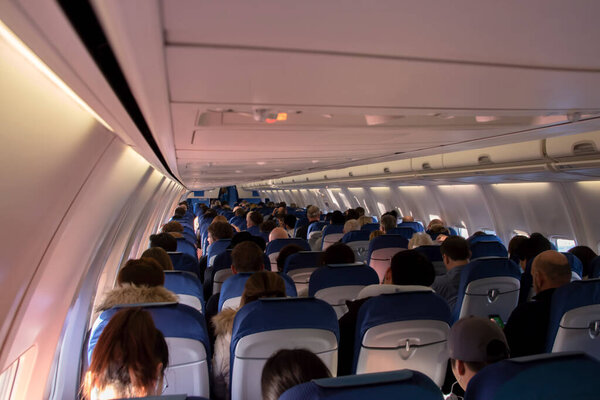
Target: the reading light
pixel 282 117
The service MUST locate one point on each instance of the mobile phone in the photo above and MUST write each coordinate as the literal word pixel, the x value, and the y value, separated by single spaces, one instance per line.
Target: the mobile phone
pixel 497 320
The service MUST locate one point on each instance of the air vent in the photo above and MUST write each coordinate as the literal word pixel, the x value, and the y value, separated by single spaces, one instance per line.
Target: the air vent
pixel 293 180
pixel 584 148
pixel 307 179
pixel 324 176
pixel 386 170
pixel 484 159
pixel 350 173
pixel 426 165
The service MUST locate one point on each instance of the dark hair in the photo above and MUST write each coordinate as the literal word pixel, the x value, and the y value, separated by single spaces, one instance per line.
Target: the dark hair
pixel 172 226
pixel 360 211
pixel 244 236
pixel 338 253
pixel 180 212
pixel 409 267
pixel 388 222
pixel 288 368
pixel 289 220
pixel 337 218
pixel 163 240
pixel 220 230
pixel 247 257
pixel 256 217
pixel 127 354
pixel 586 255
pixel 351 214
pixel 496 351
pixel 240 212
pixel 210 213
pixel 145 271
pixel 284 253
pixel 514 243
pixel 456 248
pixel 267 226
pixel 160 256
pixel 262 284
pixel 534 245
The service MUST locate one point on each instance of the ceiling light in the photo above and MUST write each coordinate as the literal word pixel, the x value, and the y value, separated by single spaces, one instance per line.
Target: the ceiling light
pixel 282 117
pixel 260 163
pixel 314 161
pixel 485 118
pixel 237 171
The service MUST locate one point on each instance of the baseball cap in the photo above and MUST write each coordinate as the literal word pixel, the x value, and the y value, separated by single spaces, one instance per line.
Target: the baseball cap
pixel 476 339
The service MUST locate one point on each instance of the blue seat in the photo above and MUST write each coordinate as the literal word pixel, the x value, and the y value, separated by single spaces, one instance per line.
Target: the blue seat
pixel 370 227
pixel 275 246
pixel 575 318
pixel 315 227
pixel 432 253
pixel 300 222
pixel 238 221
pixel 382 249
pixel 355 236
pixel 233 288
pixel 331 234
pixel 187 286
pixel 403 330
pixel 417 227
pixel 404 384
pixel 186 247
pixel 545 376
pixel 358 241
pixel 575 264
pixel 221 270
pixel 300 266
pixel 404 231
pixel 337 283
pixel 488 286
pixel 487 248
pixel 595 267
pixel 254 231
pixel 185 332
pixel 215 249
pixel 485 238
pixel 267 325
pixel 185 262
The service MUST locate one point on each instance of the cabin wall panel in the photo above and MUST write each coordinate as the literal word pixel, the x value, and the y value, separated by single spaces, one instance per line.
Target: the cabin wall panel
pixel 420 202
pixel 464 203
pixel 582 199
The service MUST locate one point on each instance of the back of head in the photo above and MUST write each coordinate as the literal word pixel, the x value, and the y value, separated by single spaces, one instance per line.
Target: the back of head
pixel 261 285
pixel 172 226
pixel 239 212
pixel 338 253
pixel 284 253
pixel 439 230
pixel 219 218
pixel 180 212
pixel 289 220
pixel 267 226
pixel 163 240
pixel 363 219
pixel 288 368
pixel 351 214
pixel 515 242
pixel 408 218
pixel 160 256
pixel 337 218
pixel 278 233
pixel 351 225
pixel 255 217
pixel 247 257
pixel 435 221
pixel 534 245
pixel 129 359
pixel 360 211
pixel 419 239
pixel 142 272
pixel 388 222
pixel 220 230
pixel 456 248
pixel 247 237
pixel 210 213
pixel 555 268
pixel 410 267
pixel 374 234
pixel 313 212
pixel 586 255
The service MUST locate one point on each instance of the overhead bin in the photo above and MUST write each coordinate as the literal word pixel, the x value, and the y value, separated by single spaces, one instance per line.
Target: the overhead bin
pixel 526 151
pixel 573 145
pixel 424 164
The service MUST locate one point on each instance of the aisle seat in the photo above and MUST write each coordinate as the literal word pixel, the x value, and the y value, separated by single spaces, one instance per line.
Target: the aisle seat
pixel 233 288
pixel 187 287
pixel 331 234
pixel 382 249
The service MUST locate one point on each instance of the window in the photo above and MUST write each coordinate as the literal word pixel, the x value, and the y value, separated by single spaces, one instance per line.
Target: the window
pixel 7 379
pixel 433 216
pixel 462 231
pixel 488 231
pixel 563 244
pixel 517 232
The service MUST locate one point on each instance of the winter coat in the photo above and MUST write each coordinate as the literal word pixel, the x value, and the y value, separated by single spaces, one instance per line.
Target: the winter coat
pixel 223 324
pixel 132 294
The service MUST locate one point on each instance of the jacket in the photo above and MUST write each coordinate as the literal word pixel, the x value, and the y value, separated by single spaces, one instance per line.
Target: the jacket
pixel 223 325
pixel 132 294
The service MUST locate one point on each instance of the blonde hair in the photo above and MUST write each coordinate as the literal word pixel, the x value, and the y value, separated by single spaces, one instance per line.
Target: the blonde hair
pixel 262 284
pixel 419 239
pixel 363 220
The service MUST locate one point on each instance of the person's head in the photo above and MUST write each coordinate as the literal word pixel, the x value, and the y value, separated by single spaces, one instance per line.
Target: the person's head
pixel 408 218
pixel 239 212
pixel 514 243
pixel 164 240
pixel 218 231
pixel 313 213
pixel 530 248
pixel 437 229
pixel 180 212
pixel 261 285
pixel 280 220
pixel 338 253
pixel 172 226
pixel 278 233
pixel 351 225
pixel 337 218
pixel 419 239
pixel 409 267
pixel 247 257
pixel 374 234
pixel 183 204
pixel 586 255
pixel 550 269
pixel 387 223
pixel 289 221
pixel 473 343
pixel 360 211
pixel 455 251
pixel 351 214
pixel 210 213
pixel 288 368
pixel 160 256
pixel 254 218
pixel 267 226
pixel 129 359
pixel 284 253
pixel 363 219
pixel 142 272
pixel 220 218
pixel 435 221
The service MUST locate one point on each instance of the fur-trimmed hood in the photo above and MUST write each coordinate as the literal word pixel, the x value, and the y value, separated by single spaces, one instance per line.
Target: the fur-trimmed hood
pixel 223 321
pixel 131 294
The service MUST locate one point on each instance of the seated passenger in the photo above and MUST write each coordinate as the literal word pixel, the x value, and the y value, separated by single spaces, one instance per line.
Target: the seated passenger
pixel 586 255
pixel 363 219
pixel 419 239
pixel 360 211
pixel 351 225
pixel 337 218
pixel 174 228
pixel 455 254
pixel 278 233
pixel 253 221
pixel 314 215
pixel 527 251
pixel 259 285
pixel 129 359
pixel 374 234
pixel 160 256
pixel 165 241
pixel 527 326
pixel 288 368
pixel 439 233
pixel 218 231
pixel 387 223
pixel 351 214
pixel 338 253
pixel 435 221
pixel 473 343
pixel 513 245
pixel 285 252
pixel 179 212
pixel 289 222
pixel 408 218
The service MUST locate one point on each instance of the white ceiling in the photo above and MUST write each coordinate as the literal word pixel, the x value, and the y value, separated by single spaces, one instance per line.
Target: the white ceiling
pixel 429 67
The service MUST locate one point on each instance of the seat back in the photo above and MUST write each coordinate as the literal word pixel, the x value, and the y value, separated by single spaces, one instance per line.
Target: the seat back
pixel 275 246
pixel 488 286
pixel 403 330
pixel 382 249
pixel 238 221
pixel 486 238
pixel 267 325
pixel 575 318
pixel 337 283
pixel 187 286
pixel 315 227
pixel 183 246
pixel 184 262
pixel 404 231
pixel 595 267
pixel 575 264
pixel 299 266
pixel 417 227
pixel 358 241
pixel 215 249
pixel 355 236
pixel 433 254
pixel 300 222
pixel 370 227
pixel 331 234
pixel 232 289
pixel 404 384
pixel 376 290
pixel 545 376
pixel 487 248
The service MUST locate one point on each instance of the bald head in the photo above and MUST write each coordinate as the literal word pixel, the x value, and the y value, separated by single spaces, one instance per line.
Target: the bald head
pixel 550 269
pixel 408 218
pixel 278 233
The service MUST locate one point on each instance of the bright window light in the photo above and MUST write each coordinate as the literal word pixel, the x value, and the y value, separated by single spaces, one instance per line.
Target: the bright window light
pixel 518 232
pixel 462 231
pixel 434 216
pixel 564 244
pixel 488 231
pixel 381 208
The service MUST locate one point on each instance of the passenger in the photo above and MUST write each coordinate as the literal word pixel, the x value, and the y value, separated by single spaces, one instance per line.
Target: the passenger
pixel 219 218
pixel 351 214
pixel 174 228
pixel 267 227
pixel 393 213
pixel 337 218
pixel 284 253
pixel 374 234
pixel 179 212
pixel 160 256
pixel 314 215
pixel 408 218
pixel 455 254
pixel 253 221
pixel 338 253
pixel 288 368
pixel 363 219
pixel 419 239
pixel 586 255
pixel 129 359
pixel 513 245
pixel 527 326
pixel 165 241
pixel 360 211
pixel 259 285
pixel 351 225
pixel 526 252
pixel 473 343
pixel 387 223
pixel 438 232
pixel 435 221
pixel 289 222
pixel 278 233
pixel 407 267
pixel 219 231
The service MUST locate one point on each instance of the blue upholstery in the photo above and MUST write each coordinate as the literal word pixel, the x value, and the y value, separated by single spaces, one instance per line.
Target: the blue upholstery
pixel 254 230
pixel 181 282
pixel 302 259
pixel 417 227
pixel 484 268
pixel 545 376
pixel 403 384
pixel 234 286
pixel 386 241
pixel 575 263
pixel 215 249
pixel 238 221
pixel 452 231
pixel 595 267
pixel 223 261
pixel 370 227
pixel 486 238
pixel 355 236
pixel 316 226
pixel 487 248
pixel 341 275
pixel 300 222
pixel 184 262
pixel 432 252
pixel 404 231
pixel 393 307
pixel 332 229
pixel 186 247
pixel 275 246
pixel 573 295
